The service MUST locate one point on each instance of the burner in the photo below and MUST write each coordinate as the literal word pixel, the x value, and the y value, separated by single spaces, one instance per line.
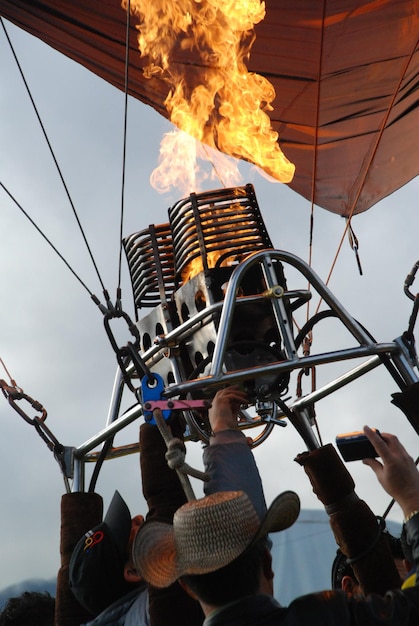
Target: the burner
pixel 183 269
pixel 216 229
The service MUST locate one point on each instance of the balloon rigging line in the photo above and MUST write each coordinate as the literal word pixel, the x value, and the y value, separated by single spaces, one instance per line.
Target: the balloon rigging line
pixel 316 137
pixel 373 152
pixel 12 381
pixel 380 133
pixel 348 227
pixel 124 150
pixel 46 238
pixel 339 248
pixel 58 170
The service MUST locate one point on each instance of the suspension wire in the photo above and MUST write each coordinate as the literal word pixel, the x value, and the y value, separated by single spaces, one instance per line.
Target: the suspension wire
pixel 316 140
pixel 370 161
pixel 309 336
pixel 124 149
pixel 332 267
pixel 46 239
pixel 107 445
pixel 346 232
pixel 392 501
pixel 12 380
pixel 55 162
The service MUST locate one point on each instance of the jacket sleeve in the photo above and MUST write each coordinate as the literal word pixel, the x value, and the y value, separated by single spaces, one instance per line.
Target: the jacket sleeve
pixel 352 521
pixel 164 495
pixel 398 607
pixel 231 466
pixel 161 486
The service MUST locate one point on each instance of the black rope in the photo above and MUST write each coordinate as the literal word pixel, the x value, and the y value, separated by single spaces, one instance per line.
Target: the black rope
pixel 392 501
pixel 53 157
pixel 46 239
pixel 124 150
pixel 107 446
pixel 308 326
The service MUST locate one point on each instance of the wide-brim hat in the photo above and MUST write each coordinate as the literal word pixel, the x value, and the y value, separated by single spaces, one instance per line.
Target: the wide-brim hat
pixel 207 534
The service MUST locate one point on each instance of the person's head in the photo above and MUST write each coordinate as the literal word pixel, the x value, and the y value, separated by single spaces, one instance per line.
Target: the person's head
pixel 248 574
pixel 101 569
pixel 217 547
pixel 343 576
pixel 31 608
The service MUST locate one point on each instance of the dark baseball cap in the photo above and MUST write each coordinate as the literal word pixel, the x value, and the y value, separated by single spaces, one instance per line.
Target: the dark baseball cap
pixel 96 569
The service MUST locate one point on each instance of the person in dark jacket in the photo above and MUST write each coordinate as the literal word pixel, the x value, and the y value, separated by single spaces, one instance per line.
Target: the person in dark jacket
pixel 343 575
pixel 217 548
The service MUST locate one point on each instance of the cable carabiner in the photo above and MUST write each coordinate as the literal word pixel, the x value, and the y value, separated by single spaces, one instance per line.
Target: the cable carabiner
pixel 408 336
pixel 130 352
pixel 12 394
pixel 117 313
pixel 409 281
pixel 306 372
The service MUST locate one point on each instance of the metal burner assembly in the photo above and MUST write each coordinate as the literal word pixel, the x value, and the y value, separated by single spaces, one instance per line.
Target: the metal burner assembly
pixel 214 307
pixel 220 312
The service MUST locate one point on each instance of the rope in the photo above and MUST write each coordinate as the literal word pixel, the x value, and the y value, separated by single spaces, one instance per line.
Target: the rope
pixel 49 242
pixel 316 140
pixel 369 162
pixel 54 159
pixel 175 457
pixel 124 149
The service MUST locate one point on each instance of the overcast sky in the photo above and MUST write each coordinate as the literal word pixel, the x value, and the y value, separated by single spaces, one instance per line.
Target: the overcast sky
pixel 52 338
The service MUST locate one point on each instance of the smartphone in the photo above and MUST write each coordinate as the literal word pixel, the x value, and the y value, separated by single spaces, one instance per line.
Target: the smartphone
pixel 356 446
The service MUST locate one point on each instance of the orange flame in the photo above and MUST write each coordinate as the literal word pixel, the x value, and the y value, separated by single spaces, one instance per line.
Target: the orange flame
pixel 199 48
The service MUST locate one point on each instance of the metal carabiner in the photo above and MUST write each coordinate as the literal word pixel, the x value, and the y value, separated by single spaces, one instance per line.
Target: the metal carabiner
pixel 299 392
pixel 129 352
pixel 305 372
pixel 117 313
pixel 409 281
pixel 12 394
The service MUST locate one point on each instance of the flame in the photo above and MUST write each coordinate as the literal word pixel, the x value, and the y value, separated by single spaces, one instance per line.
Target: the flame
pixel 196 266
pixel 186 163
pixel 199 48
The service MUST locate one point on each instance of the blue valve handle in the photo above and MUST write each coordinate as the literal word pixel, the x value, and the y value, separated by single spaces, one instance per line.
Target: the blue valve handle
pixel 153 391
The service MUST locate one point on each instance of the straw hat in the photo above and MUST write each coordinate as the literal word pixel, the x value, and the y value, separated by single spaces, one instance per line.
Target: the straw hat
pixel 207 534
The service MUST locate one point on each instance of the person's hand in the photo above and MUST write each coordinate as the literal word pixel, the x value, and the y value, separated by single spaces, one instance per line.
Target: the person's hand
pixel 397 473
pixel 225 407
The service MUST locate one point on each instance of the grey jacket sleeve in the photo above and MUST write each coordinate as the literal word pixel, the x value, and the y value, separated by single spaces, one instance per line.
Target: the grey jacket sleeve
pixel 231 465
